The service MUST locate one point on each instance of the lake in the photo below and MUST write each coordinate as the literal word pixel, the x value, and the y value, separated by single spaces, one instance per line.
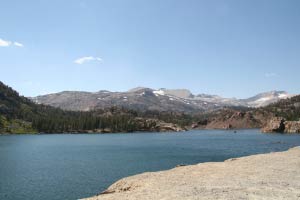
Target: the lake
pixel 72 166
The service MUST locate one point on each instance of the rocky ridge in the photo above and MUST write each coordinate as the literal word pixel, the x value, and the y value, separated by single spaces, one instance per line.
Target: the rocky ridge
pixel 233 119
pixel 179 100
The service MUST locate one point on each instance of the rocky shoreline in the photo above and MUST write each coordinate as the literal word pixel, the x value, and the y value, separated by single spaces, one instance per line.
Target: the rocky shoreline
pixel 265 176
pixel 281 125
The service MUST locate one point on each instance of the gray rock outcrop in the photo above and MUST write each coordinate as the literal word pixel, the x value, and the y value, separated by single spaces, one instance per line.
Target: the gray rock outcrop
pixel 280 125
pixel 292 127
pixel 265 177
pixel 276 124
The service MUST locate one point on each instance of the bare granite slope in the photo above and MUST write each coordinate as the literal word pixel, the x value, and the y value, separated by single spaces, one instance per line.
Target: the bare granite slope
pixel 266 176
pixel 178 100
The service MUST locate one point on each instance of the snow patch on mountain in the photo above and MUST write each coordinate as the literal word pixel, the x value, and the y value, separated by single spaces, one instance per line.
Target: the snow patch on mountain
pixel 264 99
pixel 155 99
pixel 283 96
pixel 159 92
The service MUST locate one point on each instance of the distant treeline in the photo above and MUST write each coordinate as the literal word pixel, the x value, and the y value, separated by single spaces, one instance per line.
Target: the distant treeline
pixel 21 114
pixel 288 108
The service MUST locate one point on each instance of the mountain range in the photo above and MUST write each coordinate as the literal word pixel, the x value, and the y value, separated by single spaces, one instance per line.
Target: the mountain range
pixel 19 114
pixel 141 98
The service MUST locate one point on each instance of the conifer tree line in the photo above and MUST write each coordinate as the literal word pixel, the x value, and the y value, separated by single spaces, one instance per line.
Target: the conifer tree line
pixel 288 108
pixel 21 114
pixel 50 120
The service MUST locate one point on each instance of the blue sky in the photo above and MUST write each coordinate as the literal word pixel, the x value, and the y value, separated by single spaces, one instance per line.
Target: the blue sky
pixel 234 48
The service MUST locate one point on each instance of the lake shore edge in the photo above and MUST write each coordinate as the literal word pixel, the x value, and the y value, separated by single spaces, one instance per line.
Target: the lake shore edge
pixel 261 176
pixel 127 132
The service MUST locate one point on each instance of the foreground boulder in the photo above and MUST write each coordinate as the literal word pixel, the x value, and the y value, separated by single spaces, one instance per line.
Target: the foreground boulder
pixel 267 176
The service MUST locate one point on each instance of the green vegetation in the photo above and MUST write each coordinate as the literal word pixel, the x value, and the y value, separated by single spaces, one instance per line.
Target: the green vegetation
pixel 289 108
pixel 21 115
pixel 15 126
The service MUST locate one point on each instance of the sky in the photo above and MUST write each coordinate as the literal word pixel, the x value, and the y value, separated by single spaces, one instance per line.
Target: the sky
pixel 233 48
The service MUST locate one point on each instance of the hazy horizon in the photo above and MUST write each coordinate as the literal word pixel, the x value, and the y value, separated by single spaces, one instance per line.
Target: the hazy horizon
pixel 227 48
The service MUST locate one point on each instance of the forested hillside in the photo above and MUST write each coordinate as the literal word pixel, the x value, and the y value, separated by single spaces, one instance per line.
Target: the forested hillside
pixel 20 115
pixel 288 108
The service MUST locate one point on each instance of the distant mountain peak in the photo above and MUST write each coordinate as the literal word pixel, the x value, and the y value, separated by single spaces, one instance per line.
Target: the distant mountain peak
pixel 181 93
pixel 266 98
pixel 102 91
pixel 143 98
pixel 136 89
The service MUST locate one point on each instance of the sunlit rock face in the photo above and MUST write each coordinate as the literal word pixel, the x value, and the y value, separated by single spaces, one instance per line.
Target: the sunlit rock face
pixel 280 125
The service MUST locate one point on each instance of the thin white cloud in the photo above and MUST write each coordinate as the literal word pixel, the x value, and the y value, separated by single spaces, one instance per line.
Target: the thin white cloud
pixel 270 75
pixel 6 43
pixel 85 59
pixel 18 44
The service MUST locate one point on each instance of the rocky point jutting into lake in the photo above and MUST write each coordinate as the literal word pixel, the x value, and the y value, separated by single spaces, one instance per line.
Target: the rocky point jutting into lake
pixel 267 176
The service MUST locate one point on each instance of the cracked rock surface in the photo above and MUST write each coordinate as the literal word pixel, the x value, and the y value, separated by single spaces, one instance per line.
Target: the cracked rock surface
pixel 265 176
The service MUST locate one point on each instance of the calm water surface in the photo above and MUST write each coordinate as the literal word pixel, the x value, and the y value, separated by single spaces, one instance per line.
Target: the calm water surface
pixel 55 167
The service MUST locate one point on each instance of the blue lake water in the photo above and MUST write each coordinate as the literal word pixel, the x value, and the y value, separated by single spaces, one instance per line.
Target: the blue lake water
pixel 55 167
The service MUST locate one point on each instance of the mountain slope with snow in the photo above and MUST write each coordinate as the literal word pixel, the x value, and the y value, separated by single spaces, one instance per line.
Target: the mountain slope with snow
pixel 141 98
pixel 267 98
